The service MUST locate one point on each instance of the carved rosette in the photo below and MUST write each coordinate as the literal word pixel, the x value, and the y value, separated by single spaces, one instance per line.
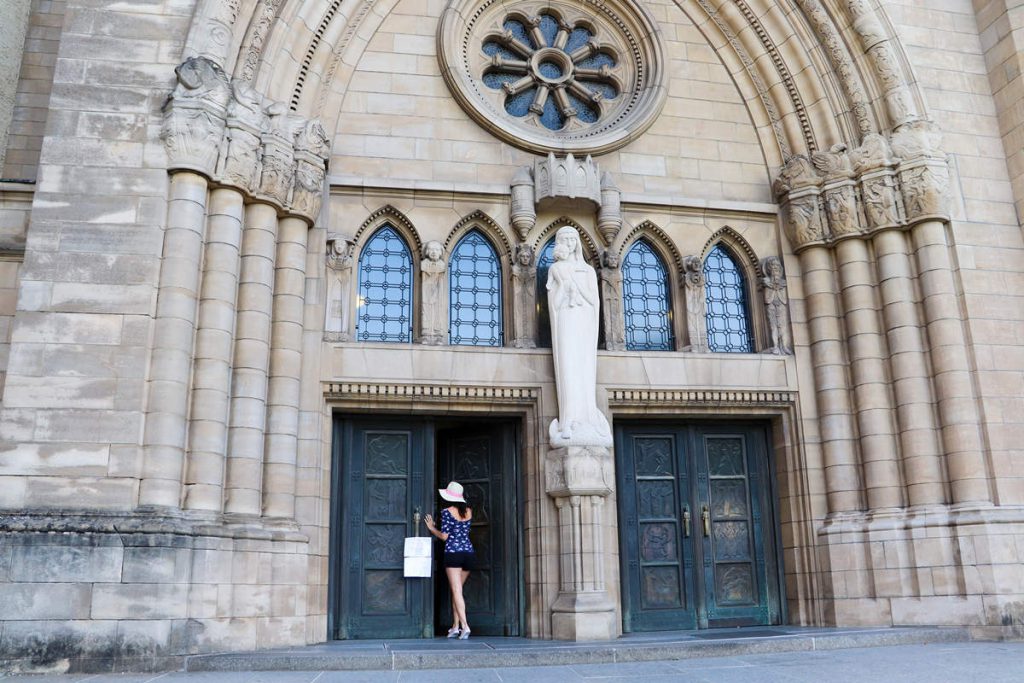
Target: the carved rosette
pixel 194 116
pixel 311 151
pixel 882 184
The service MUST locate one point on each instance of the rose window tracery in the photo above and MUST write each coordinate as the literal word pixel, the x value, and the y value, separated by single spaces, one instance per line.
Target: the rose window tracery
pixel 557 73
pixel 581 76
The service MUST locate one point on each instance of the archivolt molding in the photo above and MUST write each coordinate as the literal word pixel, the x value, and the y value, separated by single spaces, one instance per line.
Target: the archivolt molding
pixel 735 242
pixel 589 243
pixel 655 234
pixel 488 226
pixel 389 214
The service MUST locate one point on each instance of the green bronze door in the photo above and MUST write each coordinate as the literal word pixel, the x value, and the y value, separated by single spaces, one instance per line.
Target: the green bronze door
pixel 696 524
pixel 382 480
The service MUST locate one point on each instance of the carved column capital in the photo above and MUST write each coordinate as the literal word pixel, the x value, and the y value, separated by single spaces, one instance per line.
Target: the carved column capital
pixel 194 116
pixel 578 471
pixel 240 155
pixel 278 168
pixel 312 150
pixel 923 171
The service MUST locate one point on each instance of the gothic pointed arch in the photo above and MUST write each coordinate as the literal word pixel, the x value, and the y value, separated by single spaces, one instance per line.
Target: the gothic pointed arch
pixel 738 247
pixel 476 281
pixel 489 227
pixel 590 248
pixel 398 220
pixel 658 238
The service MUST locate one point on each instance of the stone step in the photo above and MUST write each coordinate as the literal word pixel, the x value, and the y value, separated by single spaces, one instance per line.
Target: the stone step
pixel 487 652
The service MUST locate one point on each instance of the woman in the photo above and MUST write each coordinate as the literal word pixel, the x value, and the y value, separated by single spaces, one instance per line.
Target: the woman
pixel 459 558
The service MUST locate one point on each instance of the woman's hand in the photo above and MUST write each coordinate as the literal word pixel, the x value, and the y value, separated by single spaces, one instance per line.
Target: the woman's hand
pixel 429 521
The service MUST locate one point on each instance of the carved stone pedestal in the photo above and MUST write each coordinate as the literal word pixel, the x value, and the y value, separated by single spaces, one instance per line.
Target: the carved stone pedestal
pixel 578 478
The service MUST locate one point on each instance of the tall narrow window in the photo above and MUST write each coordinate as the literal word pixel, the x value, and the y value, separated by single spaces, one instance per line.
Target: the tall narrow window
pixel 645 300
pixel 728 314
pixel 474 280
pixel 385 289
pixel 544 261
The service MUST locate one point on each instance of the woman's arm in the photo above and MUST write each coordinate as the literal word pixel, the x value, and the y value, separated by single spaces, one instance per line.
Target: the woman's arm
pixel 429 521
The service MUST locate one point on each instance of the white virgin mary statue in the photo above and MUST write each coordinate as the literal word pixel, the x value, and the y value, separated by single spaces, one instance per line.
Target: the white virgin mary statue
pixel 573 301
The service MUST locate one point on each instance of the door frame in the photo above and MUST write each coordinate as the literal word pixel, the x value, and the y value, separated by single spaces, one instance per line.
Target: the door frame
pixel 774 558
pixel 434 422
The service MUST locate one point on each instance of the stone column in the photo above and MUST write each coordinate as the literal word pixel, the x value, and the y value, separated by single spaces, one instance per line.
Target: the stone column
pixel 828 358
pixel 251 360
pixel 578 479
pixel 283 392
pixel 867 353
pixel 193 128
pixel 915 413
pixel 208 425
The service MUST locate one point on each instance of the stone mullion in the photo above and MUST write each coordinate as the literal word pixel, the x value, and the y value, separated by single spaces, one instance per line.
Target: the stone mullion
pixel 958 410
pixel 168 386
pixel 882 476
pixel 251 360
pixel 922 454
pixel 283 394
pixel 211 384
pixel 839 440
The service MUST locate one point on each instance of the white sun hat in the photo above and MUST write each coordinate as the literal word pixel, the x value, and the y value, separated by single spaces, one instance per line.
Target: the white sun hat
pixel 453 493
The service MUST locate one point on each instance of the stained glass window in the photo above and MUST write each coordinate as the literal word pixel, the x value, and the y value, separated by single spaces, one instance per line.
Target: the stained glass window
pixel 728 316
pixel 384 310
pixel 474 279
pixel 544 261
pixel 645 300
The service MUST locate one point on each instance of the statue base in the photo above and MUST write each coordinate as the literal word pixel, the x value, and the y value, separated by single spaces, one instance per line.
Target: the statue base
pixel 584 616
pixel 579 471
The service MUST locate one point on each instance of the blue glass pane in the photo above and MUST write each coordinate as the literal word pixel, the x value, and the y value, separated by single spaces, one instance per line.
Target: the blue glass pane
pixel 596 61
pixel 549 27
pixel 550 70
pixel 544 261
pixel 474 279
pixel 645 300
pixel 586 112
pixel 385 289
pixel 497 80
pixel 609 91
pixel 577 39
pixel 519 105
pixel 728 317
pixel 519 31
pixel 552 118
pixel 492 48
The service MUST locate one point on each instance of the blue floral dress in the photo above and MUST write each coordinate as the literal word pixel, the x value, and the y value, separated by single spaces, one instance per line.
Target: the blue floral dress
pixel 458 533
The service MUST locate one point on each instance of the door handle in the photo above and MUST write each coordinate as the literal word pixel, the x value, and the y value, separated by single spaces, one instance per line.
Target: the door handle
pixel 706 517
pixel 416 520
pixel 686 521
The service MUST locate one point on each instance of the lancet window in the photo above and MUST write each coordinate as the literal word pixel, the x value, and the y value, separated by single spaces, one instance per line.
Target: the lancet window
pixel 645 299
pixel 728 310
pixel 474 276
pixel 384 308
pixel 544 261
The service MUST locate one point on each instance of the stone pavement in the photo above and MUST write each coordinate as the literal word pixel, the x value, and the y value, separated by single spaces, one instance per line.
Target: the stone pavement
pixel 975 662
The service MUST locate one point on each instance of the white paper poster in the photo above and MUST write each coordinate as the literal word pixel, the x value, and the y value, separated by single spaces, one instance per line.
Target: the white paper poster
pixel 418 557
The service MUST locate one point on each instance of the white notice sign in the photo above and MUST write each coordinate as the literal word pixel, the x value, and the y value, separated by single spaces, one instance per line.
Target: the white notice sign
pixel 417 557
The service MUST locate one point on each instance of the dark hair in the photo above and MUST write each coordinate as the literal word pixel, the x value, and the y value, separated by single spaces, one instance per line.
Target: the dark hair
pixel 461 507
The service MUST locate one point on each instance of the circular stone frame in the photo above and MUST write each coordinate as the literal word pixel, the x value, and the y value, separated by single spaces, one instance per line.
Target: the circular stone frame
pixel 624 26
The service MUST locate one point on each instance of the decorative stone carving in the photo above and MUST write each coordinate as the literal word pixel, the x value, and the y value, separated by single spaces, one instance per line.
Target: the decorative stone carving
pixel 524 298
pixel 567 177
pixel 879 198
pixel 696 304
pixel 246 123
pixel 916 140
pixel 311 151
pixel 278 170
pixel 214 40
pixel 340 259
pixel 573 305
pixel 609 218
pixel 797 173
pixel 841 206
pixel 833 164
pixel 776 302
pixel 873 153
pixel 925 190
pixel 194 116
pixel 432 294
pixel 611 302
pixel 578 471
pixel 804 219
pixel 524 211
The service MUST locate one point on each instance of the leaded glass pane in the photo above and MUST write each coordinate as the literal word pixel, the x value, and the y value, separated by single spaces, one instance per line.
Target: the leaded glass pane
pixel 645 300
pixel 474 278
pixel 544 261
pixel 385 289
pixel 728 317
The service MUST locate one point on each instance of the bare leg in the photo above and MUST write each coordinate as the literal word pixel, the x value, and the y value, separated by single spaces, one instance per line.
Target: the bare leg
pixel 459 604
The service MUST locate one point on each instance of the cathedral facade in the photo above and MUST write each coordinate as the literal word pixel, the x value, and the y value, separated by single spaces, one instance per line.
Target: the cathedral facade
pixel 275 271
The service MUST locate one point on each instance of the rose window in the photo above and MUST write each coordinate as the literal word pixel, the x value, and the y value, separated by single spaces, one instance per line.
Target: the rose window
pixel 581 76
pixel 551 72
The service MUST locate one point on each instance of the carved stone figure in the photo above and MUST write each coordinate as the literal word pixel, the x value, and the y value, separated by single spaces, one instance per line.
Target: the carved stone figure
pixel 311 151
pixel 873 153
pixel 776 302
pixel 925 190
pixel 433 290
pixel 917 139
pixel 340 253
pixel 841 205
pixel 573 304
pixel 611 300
pixel 524 295
pixel 246 122
pixel 798 172
pixel 278 154
pixel 833 164
pixel 524 210
pixel 804 220
pixel 696 304
pixel 194 115
pixel 879 194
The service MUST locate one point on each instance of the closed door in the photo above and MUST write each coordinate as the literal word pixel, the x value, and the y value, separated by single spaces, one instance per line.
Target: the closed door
pixel 388 472
pixel 697 530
